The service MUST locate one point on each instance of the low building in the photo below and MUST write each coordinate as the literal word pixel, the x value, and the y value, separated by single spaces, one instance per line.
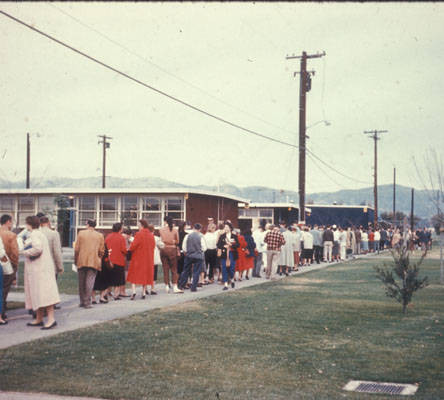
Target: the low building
pixel 251 215
pixel 69 209
pixel 341 215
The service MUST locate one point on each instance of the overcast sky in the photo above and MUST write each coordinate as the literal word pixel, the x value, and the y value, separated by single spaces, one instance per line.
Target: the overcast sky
pixel 382 70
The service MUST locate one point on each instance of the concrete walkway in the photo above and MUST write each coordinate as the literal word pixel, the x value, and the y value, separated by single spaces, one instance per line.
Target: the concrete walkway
pixel 71 317
pixel 39 396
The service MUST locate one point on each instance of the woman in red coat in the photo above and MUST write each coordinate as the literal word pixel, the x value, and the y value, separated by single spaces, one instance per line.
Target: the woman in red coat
pixel 141 269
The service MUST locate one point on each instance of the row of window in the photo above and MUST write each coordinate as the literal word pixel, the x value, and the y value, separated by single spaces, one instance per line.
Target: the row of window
pixel 256 212
pixel 105 209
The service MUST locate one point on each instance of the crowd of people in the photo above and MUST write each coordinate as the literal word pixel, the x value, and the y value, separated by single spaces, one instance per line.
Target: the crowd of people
pixel 191 256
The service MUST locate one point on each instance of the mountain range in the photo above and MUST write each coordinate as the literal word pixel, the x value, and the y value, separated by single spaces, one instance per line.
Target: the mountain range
pixel 423 206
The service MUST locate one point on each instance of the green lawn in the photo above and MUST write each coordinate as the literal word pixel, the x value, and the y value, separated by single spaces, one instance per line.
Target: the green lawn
pixel 300 338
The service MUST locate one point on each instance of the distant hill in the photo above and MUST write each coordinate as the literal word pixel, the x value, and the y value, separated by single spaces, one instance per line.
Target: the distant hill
pixel 423 207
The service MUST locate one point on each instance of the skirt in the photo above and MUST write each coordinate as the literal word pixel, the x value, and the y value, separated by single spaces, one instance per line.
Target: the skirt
pixel 104 279
pixel 335 251
pixel 117 275
pixel 307 253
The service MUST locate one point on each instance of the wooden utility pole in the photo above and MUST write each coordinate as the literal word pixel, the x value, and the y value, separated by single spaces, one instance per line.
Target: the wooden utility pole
pixel 106 145
pixel 28 161
pixel 304 87
pixel 412 217
pixel 375 137
pixel 394 196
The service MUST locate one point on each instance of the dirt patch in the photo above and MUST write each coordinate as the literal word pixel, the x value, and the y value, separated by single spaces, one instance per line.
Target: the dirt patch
pixel 303 281
pixel 188 306
pixel 299 287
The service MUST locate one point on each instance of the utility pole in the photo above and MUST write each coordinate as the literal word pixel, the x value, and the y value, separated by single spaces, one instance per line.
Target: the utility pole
pixel 412 220
pixel 394 196
pixel 304 87
pixel 28 161
pixel 375 137
pixel 106 145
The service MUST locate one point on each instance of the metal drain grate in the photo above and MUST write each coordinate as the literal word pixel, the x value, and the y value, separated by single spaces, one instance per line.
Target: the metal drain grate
pixel 380 387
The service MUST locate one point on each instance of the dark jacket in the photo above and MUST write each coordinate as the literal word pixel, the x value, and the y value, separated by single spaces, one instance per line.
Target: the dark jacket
pixel 221 243
pixel 327 236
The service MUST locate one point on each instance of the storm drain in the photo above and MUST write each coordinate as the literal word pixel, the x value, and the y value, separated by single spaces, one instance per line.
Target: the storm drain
pixel 379 387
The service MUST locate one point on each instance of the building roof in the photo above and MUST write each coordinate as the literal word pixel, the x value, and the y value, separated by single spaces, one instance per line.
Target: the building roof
pixel 96 191
pixel 293 205
pixel 269 205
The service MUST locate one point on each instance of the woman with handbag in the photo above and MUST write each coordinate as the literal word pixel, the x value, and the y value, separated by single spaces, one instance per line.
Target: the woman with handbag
pixel 116 244
pixel 227 246
pixel 41 293
pixel 104 278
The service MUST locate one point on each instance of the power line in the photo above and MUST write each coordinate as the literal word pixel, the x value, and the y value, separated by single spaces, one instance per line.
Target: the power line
pixel 225 121
pixel 334 169
pixel 146 60
pixel 323 171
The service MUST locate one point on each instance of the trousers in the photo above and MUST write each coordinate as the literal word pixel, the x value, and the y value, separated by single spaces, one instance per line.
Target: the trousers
pixel 7 283
pixel 272 261
pixel 228 272
pixel 328 248
pixel 87 277
pixel 257 265
pixel 196 264
pixel 317 253
pixel 168 255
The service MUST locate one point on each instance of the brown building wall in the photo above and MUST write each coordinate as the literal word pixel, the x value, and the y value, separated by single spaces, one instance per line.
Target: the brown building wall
pixel 200 207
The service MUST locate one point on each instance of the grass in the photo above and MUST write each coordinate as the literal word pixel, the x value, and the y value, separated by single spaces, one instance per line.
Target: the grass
pixel 300 338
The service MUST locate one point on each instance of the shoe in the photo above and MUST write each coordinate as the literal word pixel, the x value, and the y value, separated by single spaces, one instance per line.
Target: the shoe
pixel 94 302
pixel 247 278
pixel 199 285
pixel 133 296
pixel 177 290
pixel 88 306
pixel 57 307
pixel 193 290
pixel 103 301
pixel 167 289
pixel 225 288
pixel 4 323
pixel 232 284
pixel 31 324
pixel 45 328
pixel 153 292
pixel 117 298
pixel 143 296
pixel 124 295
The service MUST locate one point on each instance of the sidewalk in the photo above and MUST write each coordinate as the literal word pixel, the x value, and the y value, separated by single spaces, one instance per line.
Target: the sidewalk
pixel 39 396
pixel 71 317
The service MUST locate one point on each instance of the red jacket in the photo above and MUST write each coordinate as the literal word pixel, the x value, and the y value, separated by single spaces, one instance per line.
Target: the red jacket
pixel 117 247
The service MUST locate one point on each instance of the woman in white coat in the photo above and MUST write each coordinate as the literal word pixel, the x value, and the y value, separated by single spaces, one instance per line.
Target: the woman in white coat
pixel 286 258
pixel 41 293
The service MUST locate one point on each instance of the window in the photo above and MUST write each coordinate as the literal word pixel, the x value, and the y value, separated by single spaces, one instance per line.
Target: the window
pixel 26 208
pixel 108 211
pixel 46 205
pixel 7 206
pixel 152 210
pixel 174 209
pixel 251 212
pixel 266 213
pixel 87 209
pixel 130 210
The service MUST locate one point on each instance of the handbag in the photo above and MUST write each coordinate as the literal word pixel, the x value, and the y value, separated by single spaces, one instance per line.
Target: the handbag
pixel 219 253
pixel 7 267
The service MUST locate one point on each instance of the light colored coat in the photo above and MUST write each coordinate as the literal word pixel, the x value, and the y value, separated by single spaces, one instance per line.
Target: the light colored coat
pixel 286 257
pixel 297 236
pixel 40 283
pixel 54 247
pixel 89 249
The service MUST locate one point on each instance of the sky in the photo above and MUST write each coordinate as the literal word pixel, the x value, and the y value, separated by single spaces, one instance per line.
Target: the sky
pixel 382 70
